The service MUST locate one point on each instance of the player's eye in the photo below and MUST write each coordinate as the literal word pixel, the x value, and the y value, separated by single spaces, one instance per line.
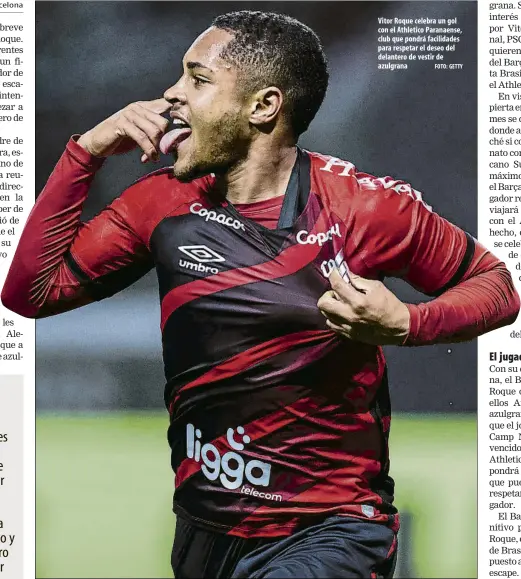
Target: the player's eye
pixel 198 80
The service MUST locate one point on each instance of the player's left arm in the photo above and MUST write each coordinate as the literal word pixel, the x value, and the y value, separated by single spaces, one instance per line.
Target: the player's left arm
pixel 398 235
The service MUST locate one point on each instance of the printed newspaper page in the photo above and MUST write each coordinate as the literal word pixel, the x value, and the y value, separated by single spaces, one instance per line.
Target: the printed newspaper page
pixel 17 387
pixel 499 353
pixel 303 256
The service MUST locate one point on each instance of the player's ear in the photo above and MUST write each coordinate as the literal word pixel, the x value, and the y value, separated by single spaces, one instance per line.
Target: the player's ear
pixel 266 105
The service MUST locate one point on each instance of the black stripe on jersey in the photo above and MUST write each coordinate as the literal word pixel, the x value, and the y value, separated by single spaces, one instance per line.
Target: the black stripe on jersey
pixel 463 266
pixel 273 308
pixel 297 191
pixel 111 283
pixel 383 484
pixel 80 275
pixel 305 182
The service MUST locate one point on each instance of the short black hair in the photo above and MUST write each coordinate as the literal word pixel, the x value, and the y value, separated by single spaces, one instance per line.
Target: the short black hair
pixel 275 49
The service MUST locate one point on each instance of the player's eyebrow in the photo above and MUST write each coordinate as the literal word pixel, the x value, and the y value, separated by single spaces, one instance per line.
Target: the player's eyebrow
pixel 190 65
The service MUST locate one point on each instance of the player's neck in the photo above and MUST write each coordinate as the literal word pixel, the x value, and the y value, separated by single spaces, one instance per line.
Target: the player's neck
pixel 264 174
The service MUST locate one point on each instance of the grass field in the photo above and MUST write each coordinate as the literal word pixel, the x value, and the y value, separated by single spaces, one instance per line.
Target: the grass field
pixel 104 490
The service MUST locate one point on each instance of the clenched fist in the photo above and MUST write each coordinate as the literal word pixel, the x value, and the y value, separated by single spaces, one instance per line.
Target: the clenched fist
pixel 139 124
pixel 364 310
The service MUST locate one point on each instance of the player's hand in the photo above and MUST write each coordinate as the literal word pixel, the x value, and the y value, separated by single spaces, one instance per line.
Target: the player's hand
pixel 365 311
pixel 139 124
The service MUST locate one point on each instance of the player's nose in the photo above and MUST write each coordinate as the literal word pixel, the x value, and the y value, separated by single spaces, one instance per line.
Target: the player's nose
pixel 175 94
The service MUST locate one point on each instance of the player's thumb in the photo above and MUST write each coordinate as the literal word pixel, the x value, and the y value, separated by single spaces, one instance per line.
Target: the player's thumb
pixel 341 288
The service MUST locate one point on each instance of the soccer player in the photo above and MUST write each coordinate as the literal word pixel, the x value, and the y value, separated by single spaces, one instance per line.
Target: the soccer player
pixel 270 262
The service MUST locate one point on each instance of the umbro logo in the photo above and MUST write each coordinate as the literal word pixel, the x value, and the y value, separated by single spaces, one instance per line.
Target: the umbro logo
pixel 201 253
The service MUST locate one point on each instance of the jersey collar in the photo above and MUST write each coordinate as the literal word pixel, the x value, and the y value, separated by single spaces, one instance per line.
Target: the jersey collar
pixel 297 191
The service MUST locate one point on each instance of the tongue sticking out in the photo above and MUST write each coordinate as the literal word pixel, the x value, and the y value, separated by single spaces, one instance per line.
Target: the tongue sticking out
pixel 172 139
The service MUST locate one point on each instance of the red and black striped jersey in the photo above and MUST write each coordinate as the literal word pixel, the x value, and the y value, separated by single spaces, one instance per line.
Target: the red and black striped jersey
pixel 275 421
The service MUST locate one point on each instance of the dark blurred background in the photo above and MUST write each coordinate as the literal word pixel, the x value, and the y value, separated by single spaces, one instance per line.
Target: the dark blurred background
pixel 94 58
pixel 103 479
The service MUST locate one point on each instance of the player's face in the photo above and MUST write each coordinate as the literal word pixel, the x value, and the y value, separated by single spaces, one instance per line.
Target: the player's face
pixel 211 129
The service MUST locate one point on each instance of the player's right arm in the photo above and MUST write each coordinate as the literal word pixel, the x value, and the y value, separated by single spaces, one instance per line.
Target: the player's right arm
pixel 61 263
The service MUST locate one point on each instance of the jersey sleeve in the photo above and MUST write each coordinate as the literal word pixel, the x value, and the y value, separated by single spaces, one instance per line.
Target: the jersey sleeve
pixel 61 263
pixel 484 299
pixel 400 235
